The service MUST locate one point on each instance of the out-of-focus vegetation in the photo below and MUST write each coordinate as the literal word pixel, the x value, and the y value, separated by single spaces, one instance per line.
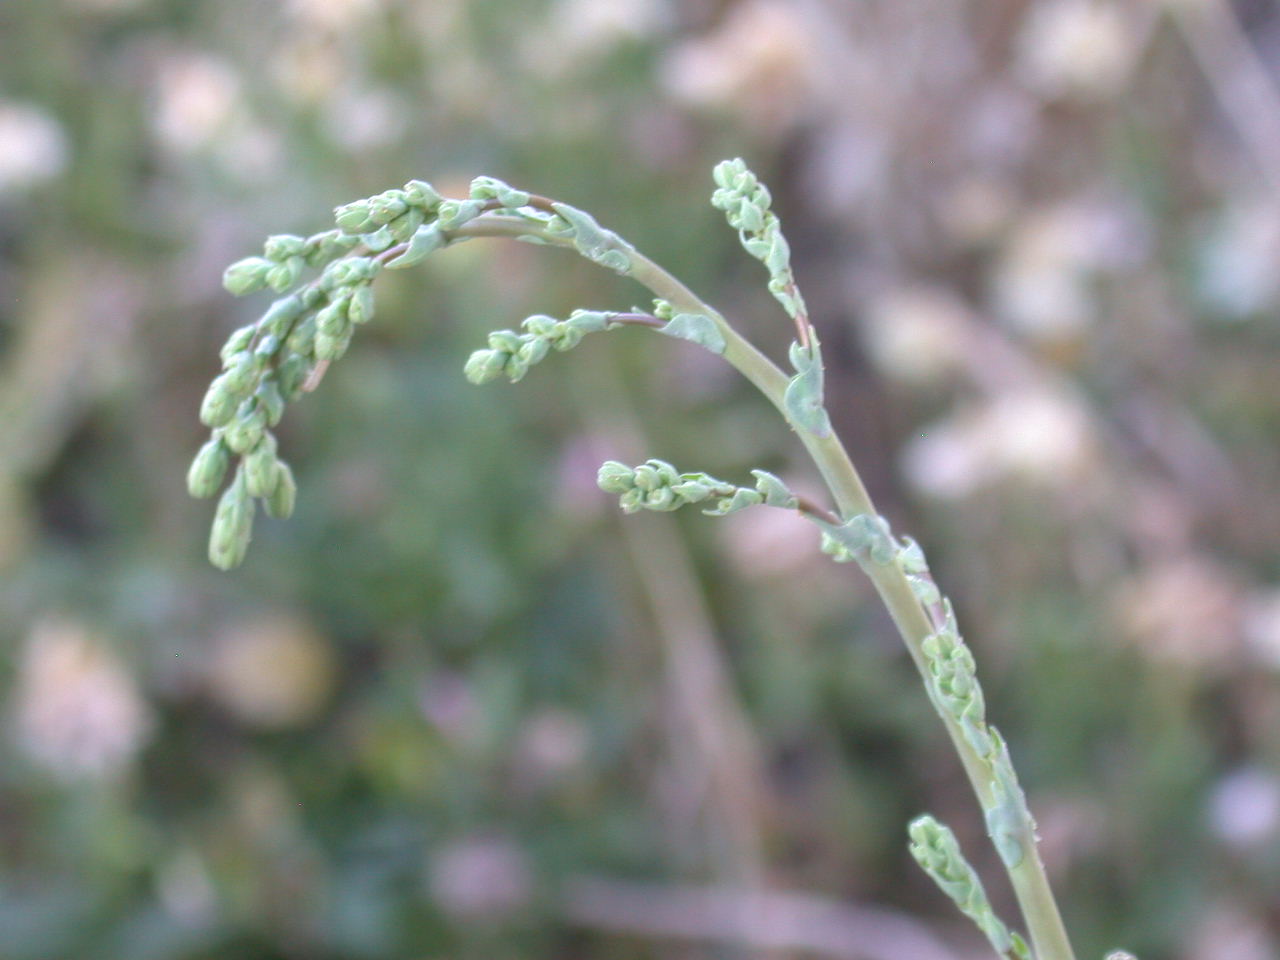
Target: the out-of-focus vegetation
pixel 1040 242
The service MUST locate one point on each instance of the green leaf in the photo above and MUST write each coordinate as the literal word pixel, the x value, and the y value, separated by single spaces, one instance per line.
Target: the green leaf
pixel 696 328
pixel 803 396
pixel 427 239
pixel 593 241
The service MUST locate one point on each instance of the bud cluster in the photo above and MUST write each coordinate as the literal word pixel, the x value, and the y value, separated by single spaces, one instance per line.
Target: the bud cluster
pixel 746 205
pixel 271 361
pixel 657 485
pixel 935 848
pixel 511 354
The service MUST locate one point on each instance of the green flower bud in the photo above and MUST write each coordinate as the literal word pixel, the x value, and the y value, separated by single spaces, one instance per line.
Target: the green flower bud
pixel 533 350
pixel 693 491
pixel 615 477
pixel 516 367
pixel 302 340
pixel 239 377
pixel 219 404
pixel 332 320
pixel 281 314
pixel 285 275
pixel 632 501
pixel 246 276
pixel 353 217
pixel 283 494
pixel 386 206
pixel 484 365
pixel 588 321
pixel 351 270
pixel 238 342
pixel 540 325
pixel 491 188
pixel 260 467
pixel 323 247
pixel 267 347
pixel 379 240
pixel 232 526
pixel 208 468
pixel 508 341
pixel 244 432
pixel 293 372
pixel 454 213
pixel 647 477
pixel 330 347
pixel 270 401
pixel 282 246
pixel 419 193
pixel 403 226
pixel 360 309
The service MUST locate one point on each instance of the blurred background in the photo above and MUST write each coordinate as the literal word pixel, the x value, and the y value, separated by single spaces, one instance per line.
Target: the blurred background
pixel 456 707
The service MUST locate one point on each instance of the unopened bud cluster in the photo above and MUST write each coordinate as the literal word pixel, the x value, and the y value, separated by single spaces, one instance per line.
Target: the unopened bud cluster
pixel 746 205
pixel 935 848
pixel 657 485
pixel 511 354
pixel 271 361
pixel 268 362
pixel 952 682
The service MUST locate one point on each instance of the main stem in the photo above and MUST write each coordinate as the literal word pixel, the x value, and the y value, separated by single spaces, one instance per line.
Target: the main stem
pixel 1030 883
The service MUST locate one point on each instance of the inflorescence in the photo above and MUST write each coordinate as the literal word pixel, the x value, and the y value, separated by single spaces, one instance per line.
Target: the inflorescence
pixel 284 353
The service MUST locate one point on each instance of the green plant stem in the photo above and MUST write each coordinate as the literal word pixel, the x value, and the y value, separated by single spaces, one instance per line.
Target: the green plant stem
pixel 1028 878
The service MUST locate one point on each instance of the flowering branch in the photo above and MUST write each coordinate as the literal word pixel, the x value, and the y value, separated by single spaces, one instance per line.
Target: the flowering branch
pixel 284 354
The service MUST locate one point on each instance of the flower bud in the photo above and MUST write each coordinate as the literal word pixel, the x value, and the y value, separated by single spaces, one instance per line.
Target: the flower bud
pixel 350 270
pixel 386 206
pixel 208 468
pixel 270 401
pixel 293 372
pixel 491 188
pixel 260 467
pixel 302 340
pixel 379 240
pixel 615 477
pixel 360 309
pixel 246 276
pixel 238 342
pixel 403 226
pixel 533 350
pixel 332 320
pixel 283 494
pixel 515 368
pixel 540 325
pixel 243 433
pixel 267 347
pixel 219 404
pixel 353 217
pixel 284 275
pixel 454 213
pixel 281 314
pixel 646 478
pixel 664 498
pixel 282 246
pixel 508 341
pixel 332 347
pixel 484 365
pixel 588 321
pixel 419 193
pixel 322 247
pixel 239 377
pixel 232 526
